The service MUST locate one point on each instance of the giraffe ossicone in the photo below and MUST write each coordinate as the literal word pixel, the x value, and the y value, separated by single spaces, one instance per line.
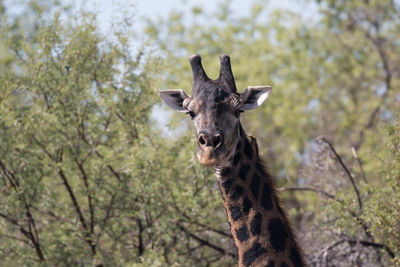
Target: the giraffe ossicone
pixel 259 226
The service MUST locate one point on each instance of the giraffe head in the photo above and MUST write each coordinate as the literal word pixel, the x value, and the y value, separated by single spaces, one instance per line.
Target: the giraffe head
pixel 215 108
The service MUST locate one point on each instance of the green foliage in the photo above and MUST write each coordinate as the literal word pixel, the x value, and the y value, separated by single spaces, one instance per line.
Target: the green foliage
pixel 383 207
pixel 86 178
pixel 74 110
pixel 333 74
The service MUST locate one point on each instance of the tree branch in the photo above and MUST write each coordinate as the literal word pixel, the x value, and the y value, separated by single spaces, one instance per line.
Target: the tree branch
pixel 371 244
pixel 9 175
pixel 31 234
pixel 34 233
pixel 209 228
pixel 315 190
pixel 378 44
pixel 206 243
pixel 140 236
pixel 364 243
pixel 17 238
pixel 355 154
pixel 359 220
pixel 28 234
pixel 73 198
pixel 108 211
pixel 115 173
pixel 347 171
pixel 189 219
pixel 78 211
pixel 89 196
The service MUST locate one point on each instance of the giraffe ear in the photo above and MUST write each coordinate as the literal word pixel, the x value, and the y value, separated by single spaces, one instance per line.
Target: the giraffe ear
pixel 174 98
pixel 254 96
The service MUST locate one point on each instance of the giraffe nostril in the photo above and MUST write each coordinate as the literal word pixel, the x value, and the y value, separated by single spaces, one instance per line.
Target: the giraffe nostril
pixel 205 141
pixel 217 140
pixel 202 140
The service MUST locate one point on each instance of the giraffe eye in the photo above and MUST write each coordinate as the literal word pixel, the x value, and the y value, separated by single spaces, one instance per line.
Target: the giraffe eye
pixel 191 113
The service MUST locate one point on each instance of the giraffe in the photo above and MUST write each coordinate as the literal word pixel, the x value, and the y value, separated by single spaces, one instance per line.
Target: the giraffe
pixel 260 228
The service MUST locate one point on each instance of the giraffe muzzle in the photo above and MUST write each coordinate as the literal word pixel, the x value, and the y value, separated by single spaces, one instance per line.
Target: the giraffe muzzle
pixel 205 141
pixel 208 144
pixel 207 157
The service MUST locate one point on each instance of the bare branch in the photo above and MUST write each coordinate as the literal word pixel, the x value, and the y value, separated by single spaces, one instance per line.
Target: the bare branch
pixel 347 171
pixel 112 170
pixel 353 242
pixel 355 154
pixel 190 220
pixel 44 149
pixel 73 198
pixel 9 175
pixel 206 243
pixel 316 190
pixel 17 238
pixel 78 211
pixel 140 236
pixel 359 220
pixel 325 251
pixel 34 234
pixel 209 228
pixel 89 196
pixel 371 244
pixel 108 211
pixel 31 234
pixel 28 234
pixel 53 215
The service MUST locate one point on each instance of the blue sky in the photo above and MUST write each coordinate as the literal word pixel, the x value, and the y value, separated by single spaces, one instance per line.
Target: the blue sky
pixel 158 8
pixel 108 9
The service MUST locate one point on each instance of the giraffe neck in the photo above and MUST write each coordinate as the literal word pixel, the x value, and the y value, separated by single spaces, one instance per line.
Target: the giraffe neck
pixel 259 226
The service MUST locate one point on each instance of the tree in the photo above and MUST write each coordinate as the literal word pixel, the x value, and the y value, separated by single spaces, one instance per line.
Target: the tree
pixel 84 177
pixel 74 106
pixel 87 177
pixel 322 130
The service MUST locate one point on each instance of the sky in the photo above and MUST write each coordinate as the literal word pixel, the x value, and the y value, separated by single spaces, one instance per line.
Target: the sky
pixel 152 9
pixel 159 8
pixel 107 10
